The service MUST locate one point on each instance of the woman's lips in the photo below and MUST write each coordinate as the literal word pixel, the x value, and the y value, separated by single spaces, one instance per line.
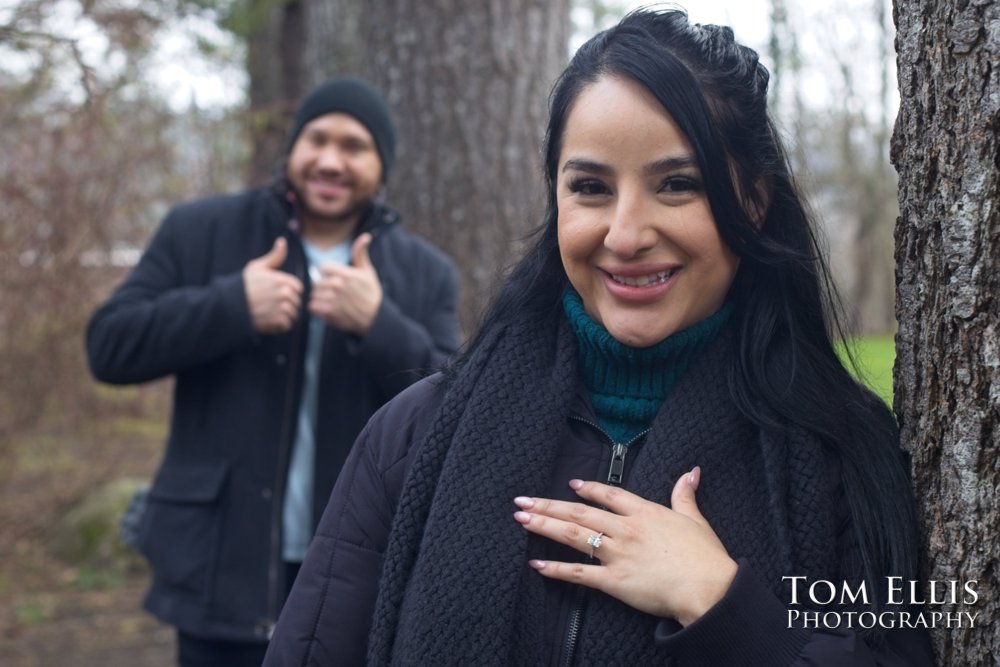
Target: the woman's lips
pixel 645 280
pixel 639 284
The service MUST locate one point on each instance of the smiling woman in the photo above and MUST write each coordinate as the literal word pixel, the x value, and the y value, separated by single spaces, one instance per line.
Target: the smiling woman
pixel 636 232
pixel 654 393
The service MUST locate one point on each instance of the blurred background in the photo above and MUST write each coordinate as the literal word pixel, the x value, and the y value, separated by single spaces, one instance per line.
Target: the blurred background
pixel 114 110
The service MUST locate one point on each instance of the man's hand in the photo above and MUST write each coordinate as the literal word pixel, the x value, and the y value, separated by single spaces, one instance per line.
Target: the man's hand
pixel 348 297
pixel 274 297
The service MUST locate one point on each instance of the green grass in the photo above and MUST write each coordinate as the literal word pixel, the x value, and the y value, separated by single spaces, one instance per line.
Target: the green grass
pixel 875 356
pixel 32 612
pixel 89 578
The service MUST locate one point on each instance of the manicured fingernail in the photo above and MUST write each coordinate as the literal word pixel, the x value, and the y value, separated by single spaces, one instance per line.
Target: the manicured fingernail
pixel 694 477
pixel 522 517
pixel 524 502
pixel 537 564
pixel 576 484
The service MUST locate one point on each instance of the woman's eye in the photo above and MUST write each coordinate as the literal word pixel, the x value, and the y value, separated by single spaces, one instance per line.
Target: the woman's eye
pixel 676 184
pixel 588 187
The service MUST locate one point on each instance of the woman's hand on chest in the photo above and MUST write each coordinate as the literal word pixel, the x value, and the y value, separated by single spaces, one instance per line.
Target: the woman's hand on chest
pixel 663 561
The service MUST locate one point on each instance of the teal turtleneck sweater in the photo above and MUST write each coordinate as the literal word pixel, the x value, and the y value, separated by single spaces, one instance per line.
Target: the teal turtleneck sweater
pixel 627 385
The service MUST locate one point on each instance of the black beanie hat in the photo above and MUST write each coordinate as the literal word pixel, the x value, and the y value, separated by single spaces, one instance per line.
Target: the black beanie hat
pixel 356 98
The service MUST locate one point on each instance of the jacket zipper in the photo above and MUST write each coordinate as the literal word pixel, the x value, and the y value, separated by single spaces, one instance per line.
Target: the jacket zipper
pixel 616 472
pixel 573 629
pixel 274 573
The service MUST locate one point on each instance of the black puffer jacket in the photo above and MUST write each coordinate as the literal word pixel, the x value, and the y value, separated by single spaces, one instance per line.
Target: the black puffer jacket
pixel 213 529
pixel 328 617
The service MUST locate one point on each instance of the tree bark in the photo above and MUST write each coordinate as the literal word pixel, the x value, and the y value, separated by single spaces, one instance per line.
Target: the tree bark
pixel 290 50
pixel 332 44
pixel 274 63
pixel 947 375
pixel 468 84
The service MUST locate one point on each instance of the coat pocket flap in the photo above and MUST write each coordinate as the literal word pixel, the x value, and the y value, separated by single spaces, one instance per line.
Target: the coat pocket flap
pixel 188 484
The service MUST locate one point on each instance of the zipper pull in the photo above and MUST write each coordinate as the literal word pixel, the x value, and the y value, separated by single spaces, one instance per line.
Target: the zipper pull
pixel 617 464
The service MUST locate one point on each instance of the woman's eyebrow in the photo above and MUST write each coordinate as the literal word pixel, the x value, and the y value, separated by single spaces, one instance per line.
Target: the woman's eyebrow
pixel 670 164
pixel 583 164
pixel 657 167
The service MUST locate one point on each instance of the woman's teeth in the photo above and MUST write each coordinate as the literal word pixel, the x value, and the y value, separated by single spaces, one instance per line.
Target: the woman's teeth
pixel 643 281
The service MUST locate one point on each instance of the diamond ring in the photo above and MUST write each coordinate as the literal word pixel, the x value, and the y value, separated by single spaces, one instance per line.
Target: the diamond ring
pixel 595 542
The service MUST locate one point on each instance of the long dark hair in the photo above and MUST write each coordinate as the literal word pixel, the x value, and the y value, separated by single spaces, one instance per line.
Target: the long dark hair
pixel 784 311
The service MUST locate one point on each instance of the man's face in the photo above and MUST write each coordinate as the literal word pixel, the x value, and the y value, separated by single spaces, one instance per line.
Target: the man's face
pixel 335 168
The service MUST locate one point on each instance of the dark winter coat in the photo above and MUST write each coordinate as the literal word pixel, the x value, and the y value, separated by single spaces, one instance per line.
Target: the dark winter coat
pixel 213 528
pixel 462 599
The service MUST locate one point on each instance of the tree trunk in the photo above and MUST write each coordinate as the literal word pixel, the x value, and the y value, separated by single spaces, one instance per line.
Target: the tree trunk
pixel 290 50
pixel 332 44
pixel 468 84
pixel 947 375
pixel 274 63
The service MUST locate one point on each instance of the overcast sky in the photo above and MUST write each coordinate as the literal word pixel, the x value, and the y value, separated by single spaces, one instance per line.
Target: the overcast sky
pixel 747 18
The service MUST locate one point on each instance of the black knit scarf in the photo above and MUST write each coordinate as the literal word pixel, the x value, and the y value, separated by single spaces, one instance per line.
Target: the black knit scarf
pixel 456 587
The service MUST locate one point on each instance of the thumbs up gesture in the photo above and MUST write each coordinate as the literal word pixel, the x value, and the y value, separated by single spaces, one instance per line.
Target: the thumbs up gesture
pixel 273 296
pixel 662 561
pixel 348 297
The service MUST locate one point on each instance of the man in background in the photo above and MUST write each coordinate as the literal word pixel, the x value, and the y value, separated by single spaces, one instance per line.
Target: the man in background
pixel 288 315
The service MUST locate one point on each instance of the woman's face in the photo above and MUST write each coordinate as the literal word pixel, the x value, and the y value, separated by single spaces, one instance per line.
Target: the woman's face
pixel 636 233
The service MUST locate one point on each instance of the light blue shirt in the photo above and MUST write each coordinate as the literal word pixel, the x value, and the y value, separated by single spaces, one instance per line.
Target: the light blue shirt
pixel 297 511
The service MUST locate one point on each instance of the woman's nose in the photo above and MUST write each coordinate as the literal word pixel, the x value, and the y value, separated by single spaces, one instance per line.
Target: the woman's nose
pixel 630 230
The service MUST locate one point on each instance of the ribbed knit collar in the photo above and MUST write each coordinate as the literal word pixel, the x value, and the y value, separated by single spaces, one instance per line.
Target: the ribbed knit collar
pixel 627 385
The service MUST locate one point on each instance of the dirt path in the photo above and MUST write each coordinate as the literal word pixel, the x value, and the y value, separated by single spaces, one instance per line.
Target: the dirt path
pixel 53 613
pixel 87 629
